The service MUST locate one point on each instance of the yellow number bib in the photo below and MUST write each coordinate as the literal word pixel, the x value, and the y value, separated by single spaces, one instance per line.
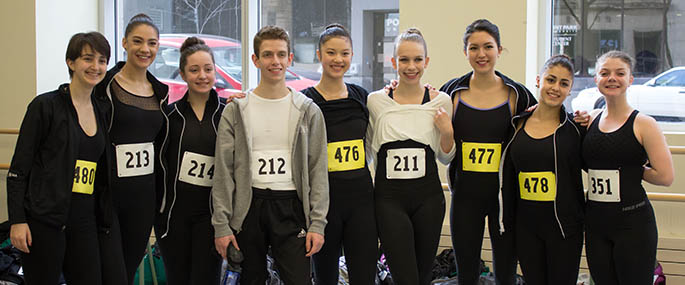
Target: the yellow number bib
pixel 346 155
pixel 481 157
pixel 84 177
pixel 538 186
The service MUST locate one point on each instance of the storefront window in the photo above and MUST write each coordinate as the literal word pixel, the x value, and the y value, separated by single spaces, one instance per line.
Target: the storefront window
pixel 650 31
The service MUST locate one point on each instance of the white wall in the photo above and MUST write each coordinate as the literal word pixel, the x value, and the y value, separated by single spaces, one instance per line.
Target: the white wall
pixel 56 22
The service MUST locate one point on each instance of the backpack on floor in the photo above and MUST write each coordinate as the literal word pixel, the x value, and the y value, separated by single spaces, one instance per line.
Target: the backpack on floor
pixel 160 273
pixel 444 265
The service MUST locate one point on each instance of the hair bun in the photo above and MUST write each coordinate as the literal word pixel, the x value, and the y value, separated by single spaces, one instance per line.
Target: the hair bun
pixel 561 55
pixel 191 41
pixel 335 25
pixel 413 30
pixel 142 17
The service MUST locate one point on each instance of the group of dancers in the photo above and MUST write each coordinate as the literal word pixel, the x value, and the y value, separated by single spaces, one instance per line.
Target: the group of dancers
pixel 102 160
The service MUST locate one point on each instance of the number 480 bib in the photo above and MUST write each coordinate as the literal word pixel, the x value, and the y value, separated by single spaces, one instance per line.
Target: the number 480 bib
pixel 481 157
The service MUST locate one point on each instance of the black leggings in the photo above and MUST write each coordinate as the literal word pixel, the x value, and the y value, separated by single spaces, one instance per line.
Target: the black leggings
pixel 73 249
pixel 352 226
pixel 409 217
pixel 467 221
pixel 276 219
pixel 621 248
pixel 188 248
pixel 547 257
pixel 124 247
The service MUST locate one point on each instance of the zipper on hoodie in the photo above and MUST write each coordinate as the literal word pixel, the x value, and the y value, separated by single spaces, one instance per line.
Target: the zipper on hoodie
pixel 178 167
pixel 556 177
pixel 161 163
pixel 501 163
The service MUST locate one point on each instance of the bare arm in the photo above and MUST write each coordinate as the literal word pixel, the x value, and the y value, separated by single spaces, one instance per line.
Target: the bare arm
pixel 660 171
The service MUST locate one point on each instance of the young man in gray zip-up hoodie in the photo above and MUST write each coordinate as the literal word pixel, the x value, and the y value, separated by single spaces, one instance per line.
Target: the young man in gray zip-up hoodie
pixel 250 218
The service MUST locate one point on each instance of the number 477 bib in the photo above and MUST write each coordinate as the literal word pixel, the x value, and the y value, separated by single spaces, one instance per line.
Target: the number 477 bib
pixel 603 185
pixel 481 157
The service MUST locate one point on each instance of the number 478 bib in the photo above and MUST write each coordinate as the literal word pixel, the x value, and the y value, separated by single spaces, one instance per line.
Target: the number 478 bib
pixel 603 185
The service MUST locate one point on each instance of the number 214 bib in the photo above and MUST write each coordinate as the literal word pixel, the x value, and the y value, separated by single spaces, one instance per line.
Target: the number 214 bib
pixel 197 169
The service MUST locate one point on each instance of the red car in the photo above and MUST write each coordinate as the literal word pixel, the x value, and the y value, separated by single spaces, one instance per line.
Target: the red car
pixel 228 65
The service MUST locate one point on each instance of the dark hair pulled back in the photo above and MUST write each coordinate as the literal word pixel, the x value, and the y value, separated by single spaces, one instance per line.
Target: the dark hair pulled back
pixel 334 30
pixel 190 46
pixel 559 60
pixel 140 19
pixel 482 25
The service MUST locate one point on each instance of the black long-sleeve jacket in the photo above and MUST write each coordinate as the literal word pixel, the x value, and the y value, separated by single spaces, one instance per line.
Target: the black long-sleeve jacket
pixel 569 203
pixel 41 174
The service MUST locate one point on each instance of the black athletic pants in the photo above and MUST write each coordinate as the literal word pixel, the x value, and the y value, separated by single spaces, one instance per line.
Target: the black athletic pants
pixel 621 247
pixel 409 217
pixel 188 248
pixel 72 249
pixel 123 249
pixel 467 221
pixel 276 219
pixel 352 226
pixel 547 257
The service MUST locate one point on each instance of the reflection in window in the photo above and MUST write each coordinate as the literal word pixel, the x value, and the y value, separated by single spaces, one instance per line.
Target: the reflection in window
pixel 366 20
pixel 648 30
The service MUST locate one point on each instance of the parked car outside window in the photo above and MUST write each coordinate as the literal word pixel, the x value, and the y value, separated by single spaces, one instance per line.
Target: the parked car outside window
pixel 227 56
pixel 662 97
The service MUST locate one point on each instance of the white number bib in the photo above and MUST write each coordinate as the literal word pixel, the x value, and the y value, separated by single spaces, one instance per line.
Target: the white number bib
pixel 603 185
pixel 269 166
pixel 135 159
pixel 197 169
pixel 405 163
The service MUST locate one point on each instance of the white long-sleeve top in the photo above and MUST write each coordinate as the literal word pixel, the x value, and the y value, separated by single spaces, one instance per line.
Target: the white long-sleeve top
pixel 390 121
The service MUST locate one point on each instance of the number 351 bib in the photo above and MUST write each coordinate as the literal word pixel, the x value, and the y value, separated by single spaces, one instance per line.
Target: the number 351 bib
pixel 603 185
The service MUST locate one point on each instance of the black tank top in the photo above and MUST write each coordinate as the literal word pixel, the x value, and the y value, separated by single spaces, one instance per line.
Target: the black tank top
pixel 401 163
pixel 136 120
pixel 346 120
pixel 617 150
pixel 90 149
pixel 426 95
pixel 473 125
pixel 530 155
